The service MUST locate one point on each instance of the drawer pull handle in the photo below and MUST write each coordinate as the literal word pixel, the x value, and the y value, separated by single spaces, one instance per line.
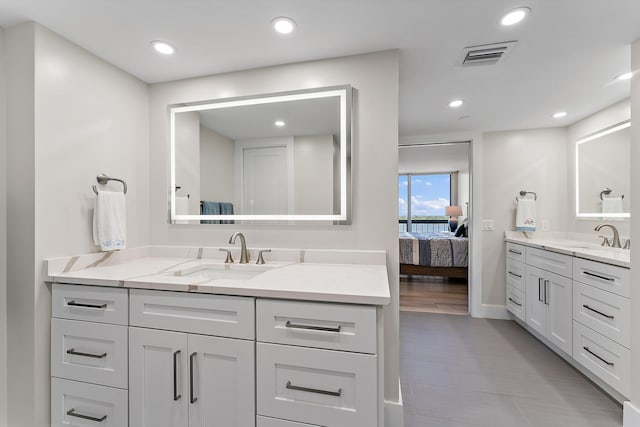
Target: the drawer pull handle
pixel 599 312
pixel 516 303
pixel 192 398
pixel 546 292
pixel 314 390
pixel 540 289
pixel 515 252
pixel 312 328
pixel 597 276
pixel 71 412
pixel 598 357
pixel 79 353
pixel 79 304
pixel 176 396
pixel 516 275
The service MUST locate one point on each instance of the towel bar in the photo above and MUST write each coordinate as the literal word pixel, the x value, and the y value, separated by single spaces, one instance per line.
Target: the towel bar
pixel 524 193
pixel 103 179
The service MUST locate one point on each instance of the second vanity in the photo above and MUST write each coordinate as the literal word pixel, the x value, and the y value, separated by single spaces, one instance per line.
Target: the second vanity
pixel 575 297
pixel 162 336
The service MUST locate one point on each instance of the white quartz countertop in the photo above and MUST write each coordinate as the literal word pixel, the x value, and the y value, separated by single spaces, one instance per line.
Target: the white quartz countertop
pixel 573 244
pixel 355 283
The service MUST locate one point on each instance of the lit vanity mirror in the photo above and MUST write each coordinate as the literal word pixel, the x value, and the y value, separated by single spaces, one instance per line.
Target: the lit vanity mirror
pixel 603 180
pixel 275 157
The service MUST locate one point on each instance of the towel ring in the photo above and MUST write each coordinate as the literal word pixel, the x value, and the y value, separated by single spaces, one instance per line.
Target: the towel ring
pixel 103 179
pixel 523 193
pixel 607 191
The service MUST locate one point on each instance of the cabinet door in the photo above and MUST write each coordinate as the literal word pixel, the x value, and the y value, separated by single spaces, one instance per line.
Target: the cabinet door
pixel 536 308
pixel 158 393
pixel 222 383
pixel 559 312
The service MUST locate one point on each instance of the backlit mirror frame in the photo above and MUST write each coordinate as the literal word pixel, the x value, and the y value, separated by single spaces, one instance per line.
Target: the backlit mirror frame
pixel 589 138
pixel 345 95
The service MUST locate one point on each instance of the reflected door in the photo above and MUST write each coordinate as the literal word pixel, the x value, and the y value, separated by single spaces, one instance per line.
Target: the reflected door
pixel 265 188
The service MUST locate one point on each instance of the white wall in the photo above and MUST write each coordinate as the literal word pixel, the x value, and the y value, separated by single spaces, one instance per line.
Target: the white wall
pixel 374 167
pixel 632 418
pixel 313 174
pixel 72 117
pixel 188 157
pixel 602 119
pixel 3 238
pixel 217 172
pixel 532 160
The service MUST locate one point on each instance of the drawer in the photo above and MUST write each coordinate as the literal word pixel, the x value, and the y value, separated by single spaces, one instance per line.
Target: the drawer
pixel 516 252
pixel 604 276
pixel 89 352
pixel 321 325
pixel 72 402
pixel 606 359
pixel 550 261
pixel 516 275
pixel 314 386
pixel 90 303
pixel 205 314
pixel 604 312
pixel 276 422
pixel 516 302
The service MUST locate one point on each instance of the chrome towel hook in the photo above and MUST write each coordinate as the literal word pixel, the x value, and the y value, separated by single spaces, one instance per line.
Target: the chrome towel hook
pixel 103 179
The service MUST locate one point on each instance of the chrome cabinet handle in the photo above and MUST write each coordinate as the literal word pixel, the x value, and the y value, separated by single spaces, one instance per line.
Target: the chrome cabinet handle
pixel 516 303
pixel 516 275
pixel 176 396
pixel 599 312
pixel 192 398
pixel 78 304
pixel 71 412
pixel 597 276
pixel 314 390
pixel 546 292
pixel 312 327
pixel 598 357
pixel 79 353
pixel 515 252
pixel 540 289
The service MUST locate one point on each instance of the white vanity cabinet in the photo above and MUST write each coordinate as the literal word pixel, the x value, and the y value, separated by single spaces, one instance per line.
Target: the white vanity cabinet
pixel 89 356
pixel 187 379
pixel 516 301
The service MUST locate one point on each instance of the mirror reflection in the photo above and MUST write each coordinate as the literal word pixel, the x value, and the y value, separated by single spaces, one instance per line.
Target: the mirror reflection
pixel 603 173
pixel 281 156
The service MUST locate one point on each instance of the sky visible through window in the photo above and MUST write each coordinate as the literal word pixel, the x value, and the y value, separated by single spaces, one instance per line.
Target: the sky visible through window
pixel 430 194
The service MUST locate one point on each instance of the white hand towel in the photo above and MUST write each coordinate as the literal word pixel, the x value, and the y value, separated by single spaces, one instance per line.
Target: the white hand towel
pixel 612 205
pixel 110 221
pixel 182 208
pixel 526 215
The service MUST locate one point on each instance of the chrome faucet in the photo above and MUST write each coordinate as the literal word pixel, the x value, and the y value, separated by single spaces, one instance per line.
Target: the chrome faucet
pixel 244 255
pixel 615 243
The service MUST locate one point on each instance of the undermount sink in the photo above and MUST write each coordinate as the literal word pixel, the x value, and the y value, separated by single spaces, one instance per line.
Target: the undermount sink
pixel 224 271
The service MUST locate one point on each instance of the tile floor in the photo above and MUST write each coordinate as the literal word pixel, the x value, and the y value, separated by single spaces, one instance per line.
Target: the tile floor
pixel 457 371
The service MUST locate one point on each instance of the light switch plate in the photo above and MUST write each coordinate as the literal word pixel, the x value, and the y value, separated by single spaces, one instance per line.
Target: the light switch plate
pixel 487 225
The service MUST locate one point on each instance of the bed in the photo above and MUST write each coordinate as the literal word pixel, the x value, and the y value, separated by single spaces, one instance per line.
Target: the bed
pixel 434 254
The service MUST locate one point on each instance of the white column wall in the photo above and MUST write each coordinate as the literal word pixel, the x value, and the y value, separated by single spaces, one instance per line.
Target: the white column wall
pixel 3 238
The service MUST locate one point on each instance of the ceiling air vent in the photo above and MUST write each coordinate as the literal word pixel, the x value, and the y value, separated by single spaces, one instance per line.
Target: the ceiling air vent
pixel 486 54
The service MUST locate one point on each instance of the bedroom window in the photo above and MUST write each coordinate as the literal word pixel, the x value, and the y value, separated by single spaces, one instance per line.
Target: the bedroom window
pixel 421 202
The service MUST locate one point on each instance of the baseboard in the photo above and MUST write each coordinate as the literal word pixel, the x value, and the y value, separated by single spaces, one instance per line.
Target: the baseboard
pixel 490 311
pixel 394 412
pixel 631 415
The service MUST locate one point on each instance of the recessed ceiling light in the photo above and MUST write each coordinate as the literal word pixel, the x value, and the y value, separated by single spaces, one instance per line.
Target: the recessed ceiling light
pixel 284 25
pixel 163 47
pixel 279 123
pixel 456 103
pixel 560 114
pixel 625 76
pixel 515 16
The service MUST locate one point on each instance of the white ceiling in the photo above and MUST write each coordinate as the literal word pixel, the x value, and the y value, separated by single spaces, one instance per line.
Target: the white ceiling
pixel 568 53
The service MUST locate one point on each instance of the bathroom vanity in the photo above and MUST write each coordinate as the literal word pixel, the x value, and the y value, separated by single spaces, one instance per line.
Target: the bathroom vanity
pixel 574 295
pixel 161 336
